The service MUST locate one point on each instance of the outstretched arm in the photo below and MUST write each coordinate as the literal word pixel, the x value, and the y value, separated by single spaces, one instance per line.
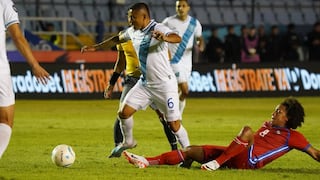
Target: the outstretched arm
pixel 106 44
pixel 314 153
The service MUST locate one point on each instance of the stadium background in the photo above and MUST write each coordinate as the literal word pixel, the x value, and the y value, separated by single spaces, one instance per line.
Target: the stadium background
pixel 84 22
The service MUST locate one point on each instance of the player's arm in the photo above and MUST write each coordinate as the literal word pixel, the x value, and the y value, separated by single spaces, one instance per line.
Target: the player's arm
pixel 118 68
pixel 170 37
pixel 106 44
pixel 24 48
pixel 314 153
pixel 200 43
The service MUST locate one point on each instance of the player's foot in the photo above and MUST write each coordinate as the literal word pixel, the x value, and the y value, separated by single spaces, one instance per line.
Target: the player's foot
pixel 210 166
pixel 136 160
pixel 117 151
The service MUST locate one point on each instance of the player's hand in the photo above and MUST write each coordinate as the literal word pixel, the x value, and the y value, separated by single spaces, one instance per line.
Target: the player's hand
pixel 158 35
pixel 88 48
pixel 108 92
pixel 41 74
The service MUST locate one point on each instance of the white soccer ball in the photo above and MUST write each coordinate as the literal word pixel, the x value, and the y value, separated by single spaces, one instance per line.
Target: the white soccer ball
pixel 63 155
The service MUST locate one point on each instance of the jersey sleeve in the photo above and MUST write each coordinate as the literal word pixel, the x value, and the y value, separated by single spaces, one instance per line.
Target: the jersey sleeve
pixel 198 30
pixel 298 141
pixel 10 14
pixel 125 35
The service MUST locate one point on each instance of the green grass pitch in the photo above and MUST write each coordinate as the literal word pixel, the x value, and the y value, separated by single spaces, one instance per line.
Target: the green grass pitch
pixel 87 126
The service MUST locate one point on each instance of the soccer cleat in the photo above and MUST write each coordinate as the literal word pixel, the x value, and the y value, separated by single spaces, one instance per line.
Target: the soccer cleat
pixel 210 166
pixel 136 160
pixel 117 151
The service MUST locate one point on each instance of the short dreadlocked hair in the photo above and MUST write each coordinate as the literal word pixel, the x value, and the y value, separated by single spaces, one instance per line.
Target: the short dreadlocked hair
pixel 295 112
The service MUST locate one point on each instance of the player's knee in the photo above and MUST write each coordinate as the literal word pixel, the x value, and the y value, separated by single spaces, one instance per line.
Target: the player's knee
pixel 123 115
pixel 125 112
pixel 174 126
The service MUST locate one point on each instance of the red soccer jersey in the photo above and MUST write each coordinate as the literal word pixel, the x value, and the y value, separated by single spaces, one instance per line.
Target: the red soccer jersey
pixel 271 142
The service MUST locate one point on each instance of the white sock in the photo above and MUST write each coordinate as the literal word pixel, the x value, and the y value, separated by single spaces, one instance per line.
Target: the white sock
pixel 5 134
pixel 126 128
pixel 182 137
pixel 182 105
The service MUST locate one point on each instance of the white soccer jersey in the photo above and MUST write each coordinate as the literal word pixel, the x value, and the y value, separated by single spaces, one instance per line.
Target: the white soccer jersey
pixel 153 54
pixel 188 30
pixel 9 16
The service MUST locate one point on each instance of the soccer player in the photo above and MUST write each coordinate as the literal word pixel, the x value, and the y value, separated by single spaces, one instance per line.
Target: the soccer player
pixel 189 29
pixel 157 83
pixel 10 22
pixel 248 150
pixel 128 61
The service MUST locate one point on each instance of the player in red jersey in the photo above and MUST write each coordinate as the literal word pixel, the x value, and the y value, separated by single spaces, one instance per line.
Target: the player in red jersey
pixel 248 150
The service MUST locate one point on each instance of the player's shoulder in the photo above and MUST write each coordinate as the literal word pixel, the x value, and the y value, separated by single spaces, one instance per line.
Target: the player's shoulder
pixel 170 19
pixel 295 132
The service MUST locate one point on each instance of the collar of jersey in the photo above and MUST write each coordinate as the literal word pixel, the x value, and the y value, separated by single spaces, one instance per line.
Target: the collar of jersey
pixel 146 29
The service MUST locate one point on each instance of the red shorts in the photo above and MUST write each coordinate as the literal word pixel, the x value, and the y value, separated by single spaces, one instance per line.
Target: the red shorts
pixel 238 162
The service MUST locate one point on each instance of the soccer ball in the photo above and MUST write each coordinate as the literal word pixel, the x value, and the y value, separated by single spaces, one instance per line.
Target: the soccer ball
pixel 63 155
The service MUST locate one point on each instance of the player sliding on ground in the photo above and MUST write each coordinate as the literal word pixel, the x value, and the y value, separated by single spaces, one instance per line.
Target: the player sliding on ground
pixel 248 150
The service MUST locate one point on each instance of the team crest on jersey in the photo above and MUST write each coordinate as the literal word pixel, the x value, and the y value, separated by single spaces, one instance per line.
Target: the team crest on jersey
pixel 278 132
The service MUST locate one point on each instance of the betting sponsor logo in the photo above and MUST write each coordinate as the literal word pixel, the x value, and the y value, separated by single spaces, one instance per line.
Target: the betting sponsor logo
pixel 67 81
pixel 254 79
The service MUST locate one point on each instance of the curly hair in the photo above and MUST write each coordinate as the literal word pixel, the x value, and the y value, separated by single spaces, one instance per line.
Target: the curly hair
pixel 295 112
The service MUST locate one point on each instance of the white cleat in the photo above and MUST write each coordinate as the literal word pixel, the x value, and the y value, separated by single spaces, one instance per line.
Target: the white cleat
pixel 117 151
pixel 136 160
pixel 210 166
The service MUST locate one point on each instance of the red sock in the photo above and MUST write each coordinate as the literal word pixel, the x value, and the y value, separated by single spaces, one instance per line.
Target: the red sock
pixel 169 158
pixel 236 147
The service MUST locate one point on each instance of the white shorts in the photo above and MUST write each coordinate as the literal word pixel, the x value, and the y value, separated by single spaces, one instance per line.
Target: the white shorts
pixel 182 72
pixel 165 98
pixel 6 90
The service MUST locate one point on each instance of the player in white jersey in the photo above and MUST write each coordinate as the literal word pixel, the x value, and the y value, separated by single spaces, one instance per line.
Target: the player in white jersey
pixel 9 21
pixel 157 83
pixel 189 29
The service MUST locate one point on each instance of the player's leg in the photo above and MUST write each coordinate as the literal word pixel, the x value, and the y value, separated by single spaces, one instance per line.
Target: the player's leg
pixel 128 84
pixel 6 122
pixel 167 158
pixel 125 116
pixel 169 134
pixel 180 132
pixel 126 122
pixel 185 157
pixel 6 111
pixel 184 73
pixel 168 102
pixel 136 99
pixel 201 154
pixel 239 144
pixel 184 91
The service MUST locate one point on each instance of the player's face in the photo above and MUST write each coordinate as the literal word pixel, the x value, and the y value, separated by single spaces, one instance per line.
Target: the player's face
pixel 182 8
pixel 279 116
pixel 137 19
